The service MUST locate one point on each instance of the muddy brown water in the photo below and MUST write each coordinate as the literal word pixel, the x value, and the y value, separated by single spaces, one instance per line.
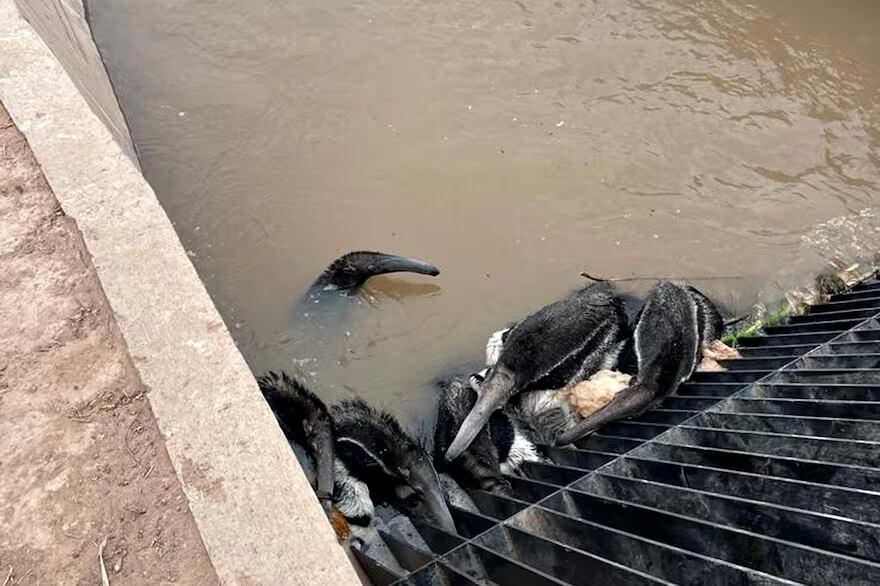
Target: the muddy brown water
pixel 512 143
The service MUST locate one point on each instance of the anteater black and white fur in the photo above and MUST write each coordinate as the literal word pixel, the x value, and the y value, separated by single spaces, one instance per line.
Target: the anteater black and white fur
pixel 327 301
pixel 666 344
pixel 374 452
pixel 351 270
pixel 557 346
pixel 308 427
pixel 479 467
pixel 499 448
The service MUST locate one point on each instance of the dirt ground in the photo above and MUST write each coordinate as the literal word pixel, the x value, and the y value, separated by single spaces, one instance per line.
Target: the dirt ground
pixel 81 460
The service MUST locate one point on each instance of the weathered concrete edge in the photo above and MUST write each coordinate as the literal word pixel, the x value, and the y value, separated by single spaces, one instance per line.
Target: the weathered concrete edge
pixel 252 504
pixel 63 27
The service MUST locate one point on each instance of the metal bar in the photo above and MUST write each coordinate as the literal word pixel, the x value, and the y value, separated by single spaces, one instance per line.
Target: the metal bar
pixel 839 360
pixel 839 409
pixel 803 526
pixel 856 303
pixel 497 506
pixel 852 296
pixel 665 417
pixel 635 430
pixel 470 524
pixel 378 574
pixel 689 403
pixel 820 427
pixel 826 376
pixel 852 503
pixel 720 389
pixel 551 473
pixel 766 554
pixel 604 443
pixel 438 574
pixel 409 557
pixel 779 351
pixel 780 466
pixel 638 553
pixel 857 313
pixel 529 490
pixel 828 391
pixel 856 348
pixel 765 363
pixel 839 325
pixel 864 336
pixel 852 452
pixel 439 540
pixel 730 376
pixel 578 458
pixel 789 339
pixel 560 560
pixel 483 564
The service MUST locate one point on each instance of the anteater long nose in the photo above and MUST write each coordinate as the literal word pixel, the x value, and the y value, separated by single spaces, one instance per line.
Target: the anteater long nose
pixel 391 263
pixel 493 394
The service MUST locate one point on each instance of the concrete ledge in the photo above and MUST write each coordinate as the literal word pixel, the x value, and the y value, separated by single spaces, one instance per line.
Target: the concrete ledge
pixel 62 24
pixel 252 504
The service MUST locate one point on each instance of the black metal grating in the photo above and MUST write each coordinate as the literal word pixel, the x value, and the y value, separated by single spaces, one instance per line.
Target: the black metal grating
pixel 766 473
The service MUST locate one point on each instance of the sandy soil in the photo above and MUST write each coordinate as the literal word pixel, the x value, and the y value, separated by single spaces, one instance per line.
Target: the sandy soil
pixel 81 458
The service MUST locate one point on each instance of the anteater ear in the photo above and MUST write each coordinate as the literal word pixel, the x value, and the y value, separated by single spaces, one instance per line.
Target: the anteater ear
pixel 362 462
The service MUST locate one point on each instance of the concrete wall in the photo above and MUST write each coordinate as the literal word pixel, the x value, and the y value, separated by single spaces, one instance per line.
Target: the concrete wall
pixel 253 506
pixel 63 27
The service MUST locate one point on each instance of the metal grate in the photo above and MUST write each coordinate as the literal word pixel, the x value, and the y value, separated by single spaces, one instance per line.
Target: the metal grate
pixel 766 473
